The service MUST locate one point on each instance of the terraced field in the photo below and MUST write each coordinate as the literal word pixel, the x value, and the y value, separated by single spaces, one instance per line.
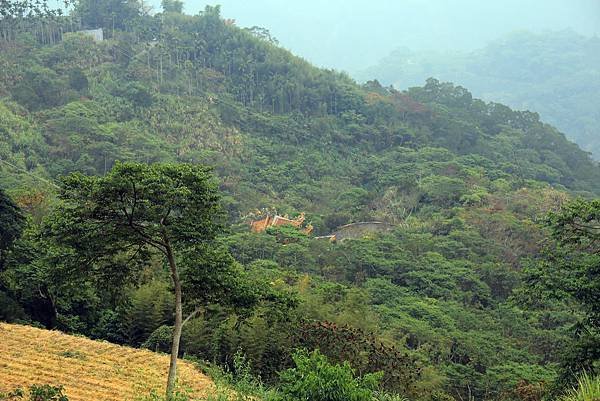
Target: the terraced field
pixel 89 370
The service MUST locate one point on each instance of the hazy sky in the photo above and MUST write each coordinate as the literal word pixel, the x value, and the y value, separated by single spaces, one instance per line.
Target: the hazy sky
pixel 354 34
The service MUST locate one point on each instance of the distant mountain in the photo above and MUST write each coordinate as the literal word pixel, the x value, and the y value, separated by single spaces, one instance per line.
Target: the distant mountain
pixel 556 74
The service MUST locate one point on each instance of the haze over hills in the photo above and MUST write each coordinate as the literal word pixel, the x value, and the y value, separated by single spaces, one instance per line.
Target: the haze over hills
pixel 556 74
pixel 134 163
pixel 351 35
pixel 440 37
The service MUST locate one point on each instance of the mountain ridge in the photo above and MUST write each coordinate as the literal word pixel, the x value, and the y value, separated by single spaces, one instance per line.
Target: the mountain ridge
pixel 553 73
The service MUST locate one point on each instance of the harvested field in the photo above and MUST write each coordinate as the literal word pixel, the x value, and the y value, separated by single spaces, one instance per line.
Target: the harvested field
pixel 89 370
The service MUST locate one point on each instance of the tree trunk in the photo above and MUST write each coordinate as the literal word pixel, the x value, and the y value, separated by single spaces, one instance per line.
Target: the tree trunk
pixel 178 321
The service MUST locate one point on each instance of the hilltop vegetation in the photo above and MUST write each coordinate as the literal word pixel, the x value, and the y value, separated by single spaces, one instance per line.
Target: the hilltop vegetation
pixel 442 305
pixel 555 74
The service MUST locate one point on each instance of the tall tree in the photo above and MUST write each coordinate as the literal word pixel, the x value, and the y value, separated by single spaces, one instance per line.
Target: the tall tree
pixel 29 9
pixel 172 6
pixel 570 272
pixel 170 209
pixel 109 14
pixel 12 222
pixel 14 12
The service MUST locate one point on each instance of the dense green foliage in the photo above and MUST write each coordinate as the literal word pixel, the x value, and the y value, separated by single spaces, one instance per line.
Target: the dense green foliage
pixel 569 271
pixel 435 303
pixel 114 224
pixel 314 378
pixel 11 226
pixel 555 74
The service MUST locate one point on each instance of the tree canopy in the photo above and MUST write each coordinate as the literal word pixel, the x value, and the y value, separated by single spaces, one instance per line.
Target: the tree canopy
pixel 172 209
pixel 570 272
pixel 12 222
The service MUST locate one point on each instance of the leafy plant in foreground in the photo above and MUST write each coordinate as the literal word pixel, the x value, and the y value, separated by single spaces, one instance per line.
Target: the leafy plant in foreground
pixel 587 389
pixel 315 378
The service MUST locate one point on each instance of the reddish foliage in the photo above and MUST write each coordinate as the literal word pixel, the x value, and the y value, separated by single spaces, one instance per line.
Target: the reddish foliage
pixel 364 352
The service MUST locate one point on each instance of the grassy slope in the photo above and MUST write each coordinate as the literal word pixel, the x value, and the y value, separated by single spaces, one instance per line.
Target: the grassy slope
pixel 89 370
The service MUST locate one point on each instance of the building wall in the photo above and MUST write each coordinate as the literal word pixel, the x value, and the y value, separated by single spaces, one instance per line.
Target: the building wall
pixel 360 230
pixel 260 225
pixel 96 34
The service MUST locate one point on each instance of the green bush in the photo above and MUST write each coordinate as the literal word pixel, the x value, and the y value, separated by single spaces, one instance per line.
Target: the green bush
pixel 441 396
pixel 315 379
pixel 390 397
pixel 44 392
pixel 587 389
pixel 178 395
pixel 160 339
pixel 12 395
pixel 238 383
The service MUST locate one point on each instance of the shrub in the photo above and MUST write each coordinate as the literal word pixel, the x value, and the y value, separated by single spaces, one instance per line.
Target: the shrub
pixel 43 392
pixel 365 353
pixel 160 339
pixel 587 389
pixel 46 392
pixel 238 383
pixel 441 396
pixel 178 395
pixel 12 395
pixel 315 379
pixel 390 397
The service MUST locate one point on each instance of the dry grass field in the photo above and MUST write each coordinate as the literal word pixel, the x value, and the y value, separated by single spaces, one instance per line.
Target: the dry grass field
pixel 89 370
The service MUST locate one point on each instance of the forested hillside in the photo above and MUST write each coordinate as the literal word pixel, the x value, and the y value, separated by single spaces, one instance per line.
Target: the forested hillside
pixel 556 74
pixel 450 303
